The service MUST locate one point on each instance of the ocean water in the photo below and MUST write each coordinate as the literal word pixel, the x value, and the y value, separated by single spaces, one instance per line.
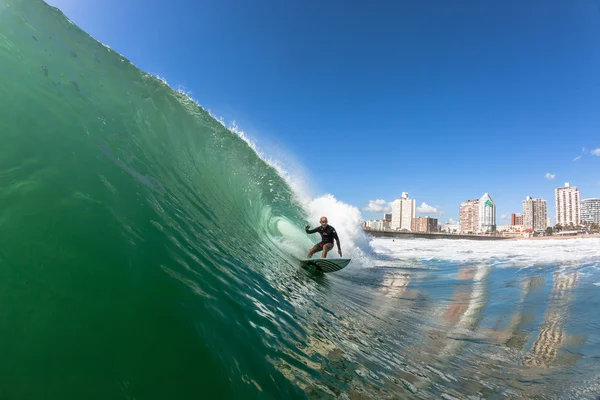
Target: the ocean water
pixel 148 252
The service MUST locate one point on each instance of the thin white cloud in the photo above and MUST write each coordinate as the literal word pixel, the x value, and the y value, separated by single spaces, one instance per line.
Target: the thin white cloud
pixel 504 216
pixel 549 176
pixel 426 209
pixel 596 152
pixel 378 206
pixel 580 155
pixel 451 221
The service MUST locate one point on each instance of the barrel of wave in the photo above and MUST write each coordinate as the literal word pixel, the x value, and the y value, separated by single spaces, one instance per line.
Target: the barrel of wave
pixel 346 219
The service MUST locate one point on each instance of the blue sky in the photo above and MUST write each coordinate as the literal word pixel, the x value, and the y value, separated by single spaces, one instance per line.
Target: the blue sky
pixel 368 99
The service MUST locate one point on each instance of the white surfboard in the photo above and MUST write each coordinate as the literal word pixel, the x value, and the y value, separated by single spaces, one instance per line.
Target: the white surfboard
pixel 325 264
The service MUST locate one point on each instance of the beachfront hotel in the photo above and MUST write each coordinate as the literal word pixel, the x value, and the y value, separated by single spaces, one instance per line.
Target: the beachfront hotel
pixel 534 214
pixel 487 214
pixel 567 205
pixel 404 211
pixel 590 211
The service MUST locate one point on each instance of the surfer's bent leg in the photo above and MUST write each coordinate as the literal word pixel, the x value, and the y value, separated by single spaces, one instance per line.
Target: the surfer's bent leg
pixel 326 248
pixel 316 248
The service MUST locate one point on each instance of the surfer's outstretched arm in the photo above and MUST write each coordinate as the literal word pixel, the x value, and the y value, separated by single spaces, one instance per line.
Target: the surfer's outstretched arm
pixel 310 230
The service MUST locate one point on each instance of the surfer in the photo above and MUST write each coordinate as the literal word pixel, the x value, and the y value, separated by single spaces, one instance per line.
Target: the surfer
pixel 328 234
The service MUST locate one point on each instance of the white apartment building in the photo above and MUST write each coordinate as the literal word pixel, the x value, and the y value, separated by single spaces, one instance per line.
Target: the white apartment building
pixel 590 211
pixel 404 210
pixel 487 214
pixel 535 215
pixel 567 205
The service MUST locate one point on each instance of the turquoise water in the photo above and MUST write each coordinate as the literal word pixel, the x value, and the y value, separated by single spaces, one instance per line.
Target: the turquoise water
pixel 147 252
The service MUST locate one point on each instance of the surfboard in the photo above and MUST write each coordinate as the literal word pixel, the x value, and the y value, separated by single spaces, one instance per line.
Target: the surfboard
pixel 325 264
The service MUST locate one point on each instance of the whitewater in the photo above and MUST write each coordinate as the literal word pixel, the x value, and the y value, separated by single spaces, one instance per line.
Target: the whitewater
pixel 148 251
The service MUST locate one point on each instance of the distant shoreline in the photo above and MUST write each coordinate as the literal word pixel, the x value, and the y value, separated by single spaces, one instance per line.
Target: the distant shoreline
pixel 414 235
pixel 396 234
pixel 592 236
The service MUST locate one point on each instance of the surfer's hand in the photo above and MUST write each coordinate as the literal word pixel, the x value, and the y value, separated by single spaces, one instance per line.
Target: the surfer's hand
pixel 340 252
pixel 306 227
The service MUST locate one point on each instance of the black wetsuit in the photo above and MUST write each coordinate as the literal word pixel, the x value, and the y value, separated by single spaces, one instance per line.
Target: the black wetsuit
pixel 327 234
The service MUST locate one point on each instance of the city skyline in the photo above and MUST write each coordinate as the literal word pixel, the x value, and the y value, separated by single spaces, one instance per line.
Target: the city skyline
pixel 425 210
pixel 479 215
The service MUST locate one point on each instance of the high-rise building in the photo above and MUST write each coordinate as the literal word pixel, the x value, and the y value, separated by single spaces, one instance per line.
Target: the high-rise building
pixel 535 214
pixel 404 210
pixel 469 216
pixel 516 219
pixel 590 211
pixel 567 205
pixel 425 225
pixel 387 217
pixel 487 214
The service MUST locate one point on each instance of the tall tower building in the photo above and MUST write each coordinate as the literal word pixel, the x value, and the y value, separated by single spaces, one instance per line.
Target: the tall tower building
pixel 567 205
pixel 469 216
pixel 487 214
pixel 535 214
pixel 404 210
pixel 590 211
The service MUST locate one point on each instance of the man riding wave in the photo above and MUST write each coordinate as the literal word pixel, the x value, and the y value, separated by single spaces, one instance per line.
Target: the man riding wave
pixel 328 234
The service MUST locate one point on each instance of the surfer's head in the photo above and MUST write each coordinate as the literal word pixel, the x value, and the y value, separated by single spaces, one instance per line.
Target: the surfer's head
pixel 323 221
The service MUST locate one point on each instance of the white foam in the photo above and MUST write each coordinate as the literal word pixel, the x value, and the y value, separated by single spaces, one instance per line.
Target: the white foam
pixel 347 221
pixel 505 253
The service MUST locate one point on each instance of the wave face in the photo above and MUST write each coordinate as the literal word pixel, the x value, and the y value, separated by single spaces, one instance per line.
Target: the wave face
pixel 147 252
pixel 137 233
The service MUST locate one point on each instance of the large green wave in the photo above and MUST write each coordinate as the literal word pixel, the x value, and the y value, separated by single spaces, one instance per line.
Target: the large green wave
pixel 135 229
